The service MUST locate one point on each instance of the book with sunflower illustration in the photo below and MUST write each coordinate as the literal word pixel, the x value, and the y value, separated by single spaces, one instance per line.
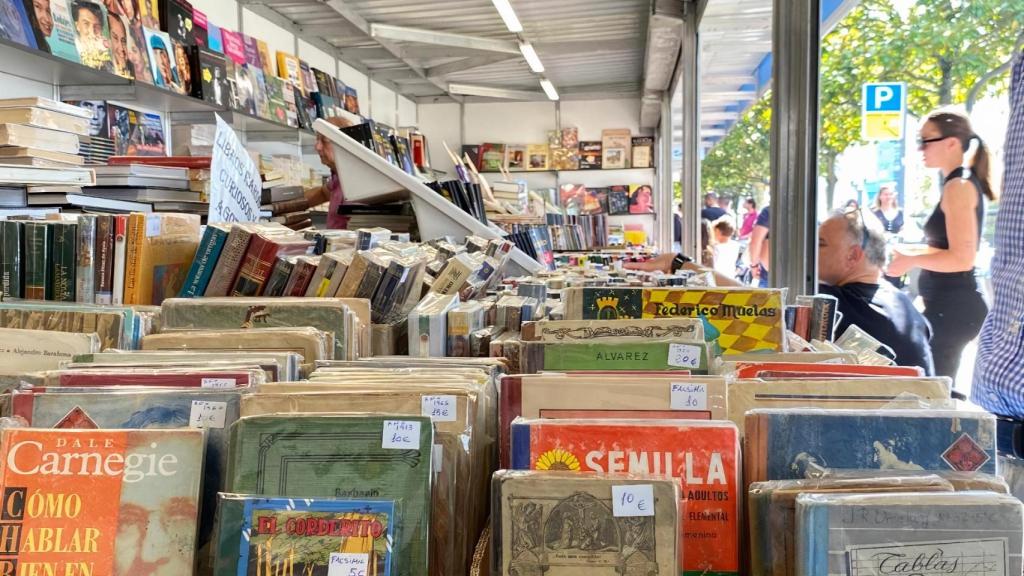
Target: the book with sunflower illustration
pixel 703 455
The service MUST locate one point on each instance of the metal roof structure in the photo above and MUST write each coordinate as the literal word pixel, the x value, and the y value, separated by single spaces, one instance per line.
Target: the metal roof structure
pixel 589 48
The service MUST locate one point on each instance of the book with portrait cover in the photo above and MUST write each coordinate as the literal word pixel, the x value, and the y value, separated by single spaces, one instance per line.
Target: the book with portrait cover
pixel 59 31
pixel 161 59
pixel 213 79
pixel 351 100
pixel 92 34
pixel 128 500
pixel 254 532
pixel 705 456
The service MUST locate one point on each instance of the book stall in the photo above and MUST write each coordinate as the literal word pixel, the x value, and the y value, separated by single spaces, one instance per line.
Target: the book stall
pixel 200 375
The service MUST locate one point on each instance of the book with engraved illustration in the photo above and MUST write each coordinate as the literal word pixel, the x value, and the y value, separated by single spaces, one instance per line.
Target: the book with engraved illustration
pixel 259 260
pixel 704 456
pixel 254 532
pixel 136 495
pixel 772 512
pixel 380 457
pixel 312 344
pixel 565 524
pixel 620 330
pixel 616 148
pixel 926 533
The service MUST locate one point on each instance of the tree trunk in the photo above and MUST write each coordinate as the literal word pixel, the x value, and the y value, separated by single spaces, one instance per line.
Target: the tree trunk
pixel 946 82
pixel 830 180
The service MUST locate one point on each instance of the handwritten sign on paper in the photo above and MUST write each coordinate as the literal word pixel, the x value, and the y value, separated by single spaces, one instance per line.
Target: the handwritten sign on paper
pixel 633 500
pixel 218 383
pixel 684 355
pixel 401 435
pixel 689 396
pixel 206 414
pixel 348 564
pixel 439 408
pixel 981 557
pixel 235 187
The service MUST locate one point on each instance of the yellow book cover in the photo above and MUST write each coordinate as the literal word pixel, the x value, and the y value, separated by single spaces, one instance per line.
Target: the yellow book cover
pixel 288 68
pixel 746 319
pixel 158 256
pixel 265 59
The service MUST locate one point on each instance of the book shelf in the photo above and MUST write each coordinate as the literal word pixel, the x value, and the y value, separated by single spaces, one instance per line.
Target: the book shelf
pixel 368 178
pixel 585 170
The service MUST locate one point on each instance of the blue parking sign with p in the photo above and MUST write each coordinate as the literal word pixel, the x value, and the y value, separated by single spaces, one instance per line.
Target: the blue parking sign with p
pixel 883 108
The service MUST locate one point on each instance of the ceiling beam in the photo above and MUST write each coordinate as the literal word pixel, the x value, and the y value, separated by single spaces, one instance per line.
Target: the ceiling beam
pixel 495 92
pixel 443 70
pixel 587 46
pixel 421 36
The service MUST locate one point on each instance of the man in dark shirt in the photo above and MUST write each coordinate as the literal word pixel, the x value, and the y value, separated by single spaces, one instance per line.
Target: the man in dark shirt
pixel 851 256
pixel 711 211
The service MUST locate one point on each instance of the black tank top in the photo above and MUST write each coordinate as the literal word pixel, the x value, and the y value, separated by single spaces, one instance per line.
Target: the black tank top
pixel 935 226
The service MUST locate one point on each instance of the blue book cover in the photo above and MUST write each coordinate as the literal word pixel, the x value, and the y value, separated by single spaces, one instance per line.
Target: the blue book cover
pixel 783 444
pixel 204 262
pixel 15 24
pixel 61 38
pixel 213 38
pixel 315 536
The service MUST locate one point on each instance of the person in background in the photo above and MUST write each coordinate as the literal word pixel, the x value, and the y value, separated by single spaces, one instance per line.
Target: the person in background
pixel 760 250
pixel 953 302
pixel 726 250
pixel 707 251
pixel 999 370
pixel 711 210
pixel 852 204
pixel 725 203
pixel 749 217
pixel 888 211
pixel 331 191
pixel 677 227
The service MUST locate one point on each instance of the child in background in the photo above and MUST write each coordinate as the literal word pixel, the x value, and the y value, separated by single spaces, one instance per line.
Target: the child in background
pixel 726 249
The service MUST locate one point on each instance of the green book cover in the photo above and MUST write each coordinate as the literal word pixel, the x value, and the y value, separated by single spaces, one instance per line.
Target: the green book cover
pixel 38 279
pixel 599 355
pixel 364 457
pixel 64 261
pixel 11 257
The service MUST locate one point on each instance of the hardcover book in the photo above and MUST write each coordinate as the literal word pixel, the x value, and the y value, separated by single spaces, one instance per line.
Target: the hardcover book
pixel 210 247
pixel 86 266
pixel 590 155
pixel 11 258
pixel 492 157
pixel 159 252
pixel 537 157
pixel 783 444
pixel 515 157
pixel 259 259
pixel 928 533
pixel 288 68
pixel 386 457
pixel 38 261
pixel 563 524
pixel 616 148
pixel 129 500
pixel 643 152
pixel 704 456
pixel 254 533
pixel 64 260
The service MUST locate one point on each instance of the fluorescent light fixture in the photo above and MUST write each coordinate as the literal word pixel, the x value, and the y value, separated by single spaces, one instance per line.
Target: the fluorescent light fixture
pixel 492 92
pixel 549 89
pixel 531 57
pixel 508 15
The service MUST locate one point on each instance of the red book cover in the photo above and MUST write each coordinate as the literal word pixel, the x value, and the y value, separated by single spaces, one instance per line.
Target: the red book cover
pixel 259 261
pixel 209 379
pixel 175 161
pixel 704 456
pixel 300 279
pixel 758 369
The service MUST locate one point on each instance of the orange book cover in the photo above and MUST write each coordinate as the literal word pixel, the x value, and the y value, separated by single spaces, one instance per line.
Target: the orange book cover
pixel 159 253
pixel 112 502
pixel 815 370
pixel 705 456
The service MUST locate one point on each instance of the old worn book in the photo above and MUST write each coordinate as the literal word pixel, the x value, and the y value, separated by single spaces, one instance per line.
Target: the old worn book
pixel 741 319
pixel 327 314
pixel 212 410
pixel 428 324
pixel 310 343
pixel 610 354
pixel 852 394
pixel 783 443
pixel 119 501
pixel 915 533
pixel 772 513
pixel 620 330
pixel 259 260
pixel 158 255
pixel 279 366
pixel 387 457
pixel 33 350
pixel 704 456
pixel 307 536
pixel 646 396
pixel 115 326
pixel 566 524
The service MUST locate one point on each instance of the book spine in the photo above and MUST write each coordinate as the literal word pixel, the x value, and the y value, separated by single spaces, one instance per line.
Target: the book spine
pixel 255 269
pixel 279 277
pixel 85 274
pixel 13 250
pixel 134 244
pixel 37 249
pixel 288 206
pixel 202 266
pixel 299 282
pixel 353 277
pixel 229 262
pixel 64 261
pixel 104 258
pixel 120 247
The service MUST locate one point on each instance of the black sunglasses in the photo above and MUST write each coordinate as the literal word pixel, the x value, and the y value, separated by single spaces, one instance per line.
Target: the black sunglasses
pixel 922 142
pixel 859 213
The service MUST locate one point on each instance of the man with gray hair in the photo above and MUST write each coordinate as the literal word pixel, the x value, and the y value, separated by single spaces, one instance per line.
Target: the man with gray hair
pixel 851 257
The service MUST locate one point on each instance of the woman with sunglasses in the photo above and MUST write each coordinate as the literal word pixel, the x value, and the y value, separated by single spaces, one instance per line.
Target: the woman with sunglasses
pixel 953 303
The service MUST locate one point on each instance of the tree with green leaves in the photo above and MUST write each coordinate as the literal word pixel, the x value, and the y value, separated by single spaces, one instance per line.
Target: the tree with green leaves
pixel 739 165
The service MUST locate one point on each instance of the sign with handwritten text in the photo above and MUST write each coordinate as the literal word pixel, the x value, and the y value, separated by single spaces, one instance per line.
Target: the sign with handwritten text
pixel 401 435
pixel 235 187
pixel 633 500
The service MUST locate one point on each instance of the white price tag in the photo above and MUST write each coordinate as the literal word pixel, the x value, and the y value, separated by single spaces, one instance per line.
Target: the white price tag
pixel 348 564
pixel 633 500
pixel 401 435
pixel 153 222
pixel 689 396
pixel 439 408
pixel 684 355
pixel 219 383
pixel 207 414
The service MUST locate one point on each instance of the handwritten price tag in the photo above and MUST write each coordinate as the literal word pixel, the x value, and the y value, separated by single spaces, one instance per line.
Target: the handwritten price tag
pixel 633 500
pixel 348 564
pixel 207 414
pixel 218 383
pixel 684 355
pixel 439 408
pixel 153 225
pixel 401 435
pixel 689 396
